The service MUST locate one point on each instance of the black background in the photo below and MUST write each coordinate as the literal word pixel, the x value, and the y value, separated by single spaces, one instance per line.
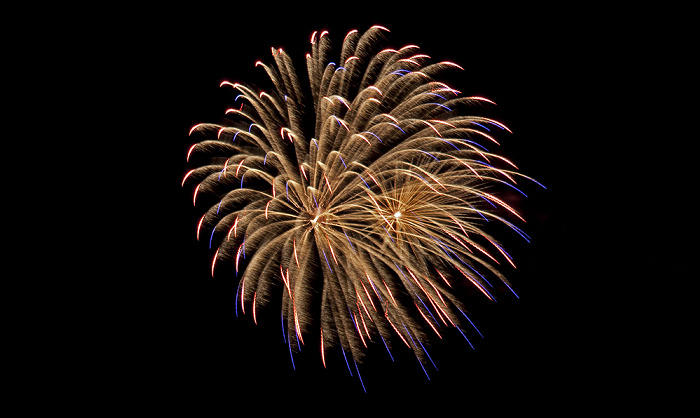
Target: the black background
pixel 561 347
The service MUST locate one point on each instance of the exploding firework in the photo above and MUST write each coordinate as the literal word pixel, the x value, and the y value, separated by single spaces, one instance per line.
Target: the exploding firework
pixel 357 202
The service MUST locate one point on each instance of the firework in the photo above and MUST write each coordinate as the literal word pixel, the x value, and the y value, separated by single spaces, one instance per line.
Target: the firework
pixel 357 202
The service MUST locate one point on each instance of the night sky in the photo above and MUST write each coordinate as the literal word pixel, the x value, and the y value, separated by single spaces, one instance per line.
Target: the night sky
pixel 554 349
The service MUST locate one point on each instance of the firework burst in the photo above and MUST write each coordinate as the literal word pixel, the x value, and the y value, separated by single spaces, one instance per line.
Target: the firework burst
pixel 355 203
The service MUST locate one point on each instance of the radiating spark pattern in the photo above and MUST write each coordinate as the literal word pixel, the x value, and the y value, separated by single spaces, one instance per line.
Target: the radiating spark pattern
pixel 363 208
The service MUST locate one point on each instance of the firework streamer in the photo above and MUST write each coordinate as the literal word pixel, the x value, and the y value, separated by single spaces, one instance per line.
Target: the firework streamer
pixel 355 203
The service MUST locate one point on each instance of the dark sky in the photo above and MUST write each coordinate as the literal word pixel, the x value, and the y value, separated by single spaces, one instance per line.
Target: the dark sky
pixel 539 353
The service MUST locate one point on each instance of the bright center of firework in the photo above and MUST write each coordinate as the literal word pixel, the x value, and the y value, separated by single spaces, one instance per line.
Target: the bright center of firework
pixel 317 218
pixel 397 214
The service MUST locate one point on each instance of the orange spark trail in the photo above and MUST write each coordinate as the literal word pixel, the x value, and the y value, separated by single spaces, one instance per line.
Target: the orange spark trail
pixel 295 253
pixel 323 353
pixel 214 262
pixel 368 297
pixel 357 327
pixel 392 296
pixel 186 175
pixel 199 225
pixel 443 278
pixel 233 229
pixel 239 167
pixel 189 152
pixel 427 320
pixel 397 331
pixel 194 197
pixel 255 295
